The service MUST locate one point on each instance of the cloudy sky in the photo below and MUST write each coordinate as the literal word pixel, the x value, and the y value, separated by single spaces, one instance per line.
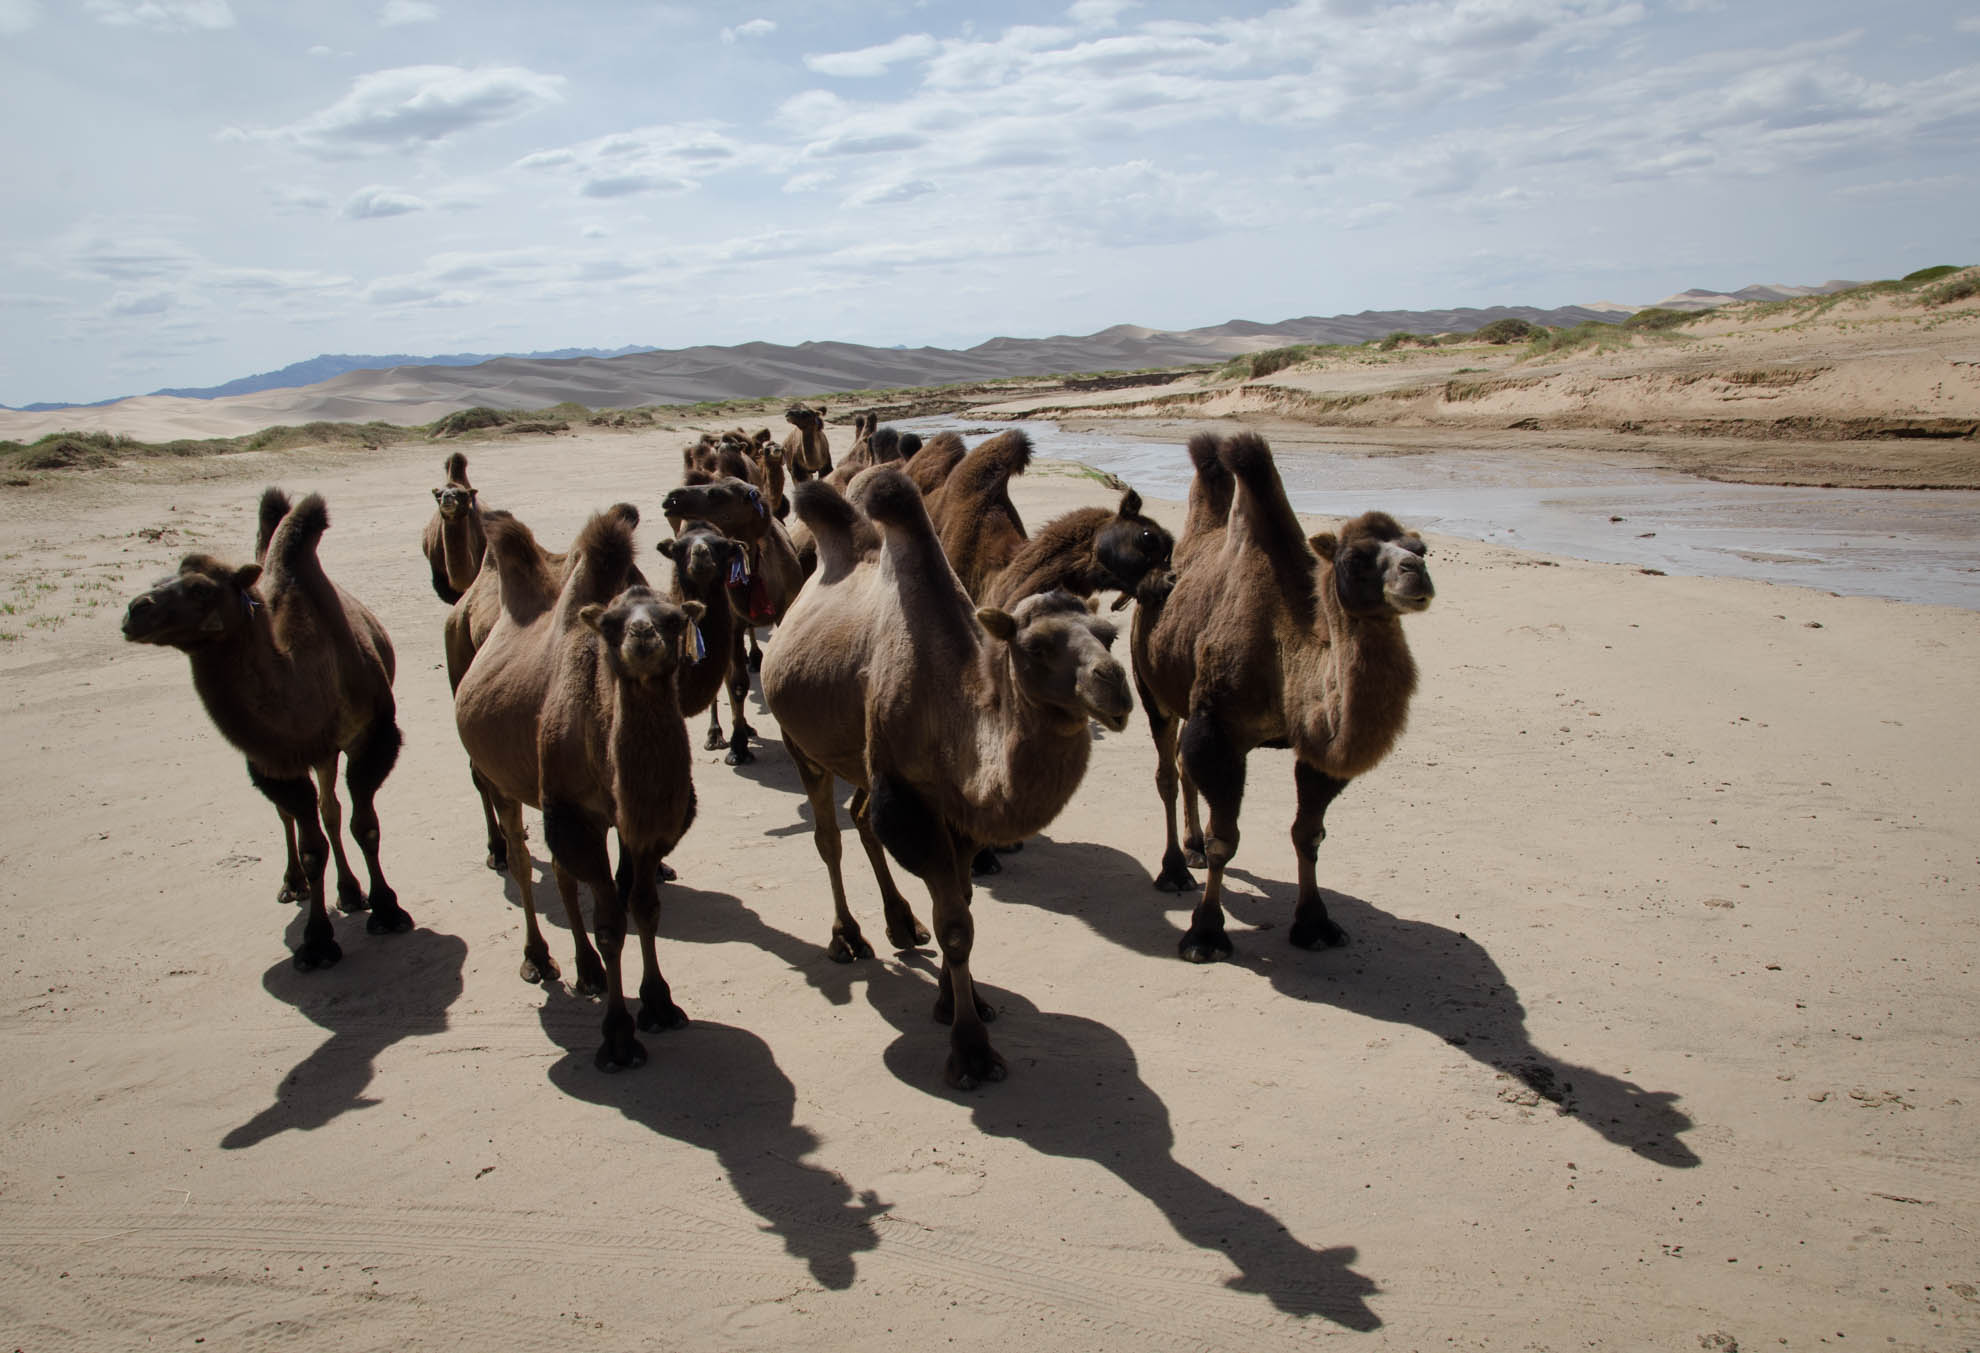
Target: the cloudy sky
pixel 200 189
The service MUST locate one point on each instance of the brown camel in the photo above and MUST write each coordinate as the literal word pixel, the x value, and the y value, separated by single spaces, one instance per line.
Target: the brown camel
pixel 876 446
pixel 704 559
pixel 929 465
pixel 957 727
pixel 1086 551
pixel 294 672
pixel 807 449
pixel 1271 640
pixel 760 591
pixel 571 706
pixel 979 527
pixel 454 540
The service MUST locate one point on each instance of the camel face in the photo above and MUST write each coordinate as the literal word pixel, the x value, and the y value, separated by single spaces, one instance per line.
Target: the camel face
pixel 728 504
pixel 454 501
pixel 1380 567
pixel 703 556
pixel 204 601
pixel 642 633
pixel 1059 653
pixel 1131 547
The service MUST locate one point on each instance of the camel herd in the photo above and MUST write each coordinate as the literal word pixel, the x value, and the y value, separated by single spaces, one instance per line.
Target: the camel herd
pixel 928 650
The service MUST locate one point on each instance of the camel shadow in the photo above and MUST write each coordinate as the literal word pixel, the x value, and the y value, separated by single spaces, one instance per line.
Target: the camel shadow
pixel 719 1089
pixel 691 915
pixel 385 989
pixel 1075 1092
pixel 1393 970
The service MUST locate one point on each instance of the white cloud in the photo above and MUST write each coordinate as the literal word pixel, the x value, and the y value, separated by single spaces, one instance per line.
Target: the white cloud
pixel 1099 13
pixel 291 199
pixel 170 15
pixel 755 28
pixel 871 61
pixel 627 185
pixel 411 107
pixel 398 13
pixel 375 202
pixel 17 16
pixel 1968 24
pixel 670 158
pixel 891 194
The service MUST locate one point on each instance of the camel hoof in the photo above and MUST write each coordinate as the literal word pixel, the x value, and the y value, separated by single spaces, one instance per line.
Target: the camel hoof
pixel 715 741
pixel 1321 934
pixel 629 1055
pixel 590 979
pixel 756 660
pixel 945 1009
pixel 1204 948
pixel 847 946
pixel 293 894
pixel 739 756
pixel 350 897
pixel 913 936
pixel 1175 879
pixel 665 873
pixel 387 918
pixel 539 968
pixel 969 1068
pixel 317 954
pixel 986 863
pixel 1194 858
pixel 498 860
pixel 660 1016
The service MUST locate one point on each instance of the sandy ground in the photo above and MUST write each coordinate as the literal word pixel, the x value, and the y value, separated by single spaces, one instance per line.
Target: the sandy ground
pixel 1656 1030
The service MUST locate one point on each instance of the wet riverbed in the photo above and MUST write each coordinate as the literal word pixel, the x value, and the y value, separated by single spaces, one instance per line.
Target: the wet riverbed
pixel 1921 546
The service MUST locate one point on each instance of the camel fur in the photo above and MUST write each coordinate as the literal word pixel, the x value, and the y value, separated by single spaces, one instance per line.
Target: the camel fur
pixel 1271 640
pixel 974 518
pixel 1085 551
pixel 295 672
pixel 930 464
pixel 454 540
pixel 807 448
pixel 571 706
pixel 957 727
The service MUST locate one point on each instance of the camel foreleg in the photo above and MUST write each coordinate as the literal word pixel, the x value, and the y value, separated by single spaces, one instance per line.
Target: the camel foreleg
pixel 739 730
pixel 847 943
pixel 903 931
pixel 1215 762
pixel 1175 876
pixel 972 1061
pixel 635 882
pixel 1312 928
pixel 365 770
pixel 537 965
pixel 350 896
pixel 590 979
pixel 498 840
pixel 295 883
pixel 577 843
pixel 295 799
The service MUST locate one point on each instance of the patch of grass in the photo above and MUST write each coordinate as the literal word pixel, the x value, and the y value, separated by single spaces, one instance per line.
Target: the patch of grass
pixel 1593 333
pixel 1404 338
pixel 1931 274
pixel 1251 365
pixel 1503 331
pixel 1656 319
pixel 1961 288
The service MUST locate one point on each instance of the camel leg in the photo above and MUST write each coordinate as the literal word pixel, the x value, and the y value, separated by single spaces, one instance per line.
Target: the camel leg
pixel 657 1010
pixel 350 897
pixel 1312 928
pixel 972 1060
pixel 590 979
pixel 755 651
pixel 716 739
pixel 1216 764
pixel 1175 876
pixel 739 730
pixel 295 883
pixel 498 841
pixel 537 965
pixel 903 931
pixel 847 941
pixel 578 846
pixel 364 771
pixel 296 799
pixel 1192 842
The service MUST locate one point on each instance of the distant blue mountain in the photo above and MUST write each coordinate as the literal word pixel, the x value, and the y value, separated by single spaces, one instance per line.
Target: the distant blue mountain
pixel 323 367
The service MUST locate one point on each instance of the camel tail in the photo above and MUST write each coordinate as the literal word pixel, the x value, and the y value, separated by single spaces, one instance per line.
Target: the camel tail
pixel 274 507
pixel 457 470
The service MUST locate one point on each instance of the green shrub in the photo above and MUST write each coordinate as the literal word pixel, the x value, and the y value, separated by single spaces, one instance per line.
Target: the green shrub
pixel 1957 289
pixel 1931 274
pixel 1404 338
pixel 1509 331
pixel 1656 318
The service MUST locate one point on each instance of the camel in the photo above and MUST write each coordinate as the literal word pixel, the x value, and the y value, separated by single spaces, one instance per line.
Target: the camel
pixel 454 540
pixel 760 591
pixel 978 525
pixel 807 449
pixel 294 672
pixel 571 706
pixel 703 560
pixel 1085 551
pixel 1271 640
pixel 876 446
pixel 930 463
pixel 957 727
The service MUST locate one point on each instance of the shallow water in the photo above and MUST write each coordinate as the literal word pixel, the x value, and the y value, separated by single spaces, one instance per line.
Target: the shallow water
pixel 1920 546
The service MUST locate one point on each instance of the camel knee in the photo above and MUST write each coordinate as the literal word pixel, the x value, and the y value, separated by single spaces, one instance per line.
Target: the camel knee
pixel 1213 763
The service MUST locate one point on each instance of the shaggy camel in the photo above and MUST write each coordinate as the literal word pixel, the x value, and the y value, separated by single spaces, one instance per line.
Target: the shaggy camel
pixel 760 591
pixel 978 525
pixel 807 449
pixel 571 706
pixel 876 446
pixel 294 673
pixel 1085 551
pixel 454 540
pixel 467 627
pixel 736 455
pixel 1271 640
pixel 704 559
pixel 957 727
pixel 930 463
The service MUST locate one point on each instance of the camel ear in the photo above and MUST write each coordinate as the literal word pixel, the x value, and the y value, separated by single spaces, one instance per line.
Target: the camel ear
pixel 1324 544
pixel 999 623
pixel 1093 604
pixel 1130 504
pixel 246 576
pixel 591 615
pixel 667 547
pixel 436 495
pixel 695 610
pixel 474 496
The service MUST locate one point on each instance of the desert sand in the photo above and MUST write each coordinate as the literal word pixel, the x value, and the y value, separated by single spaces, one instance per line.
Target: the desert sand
pixel 1655 1031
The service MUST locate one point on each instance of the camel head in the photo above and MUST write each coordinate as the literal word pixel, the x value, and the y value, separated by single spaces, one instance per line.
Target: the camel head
pixel 807 416
pixel 1378 567
pixel 732 506
pixel 205 601
pixel 1058 652
pixel 643 633
pixel 1131 548
pixel 702 555
pixel 454 500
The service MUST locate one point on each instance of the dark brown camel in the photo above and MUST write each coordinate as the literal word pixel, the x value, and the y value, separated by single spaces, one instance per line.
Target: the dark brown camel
pixel 876 446
pixel 1269 639
pixel 572 706
pixel 454 541
pixel 807 448
pixel 957 727
pixel 759 593
pixel 929 465
pixel 704 559
pixel 974 518
pixel 1087 550
pixel 294 672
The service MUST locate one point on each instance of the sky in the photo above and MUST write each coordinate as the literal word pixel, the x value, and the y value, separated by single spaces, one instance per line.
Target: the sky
pixel 197 190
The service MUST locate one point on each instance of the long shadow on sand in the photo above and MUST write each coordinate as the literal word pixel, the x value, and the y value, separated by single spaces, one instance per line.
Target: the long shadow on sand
pixel 388 987
pixel 1395 970
pixel 1075 1091
pixel 719 1089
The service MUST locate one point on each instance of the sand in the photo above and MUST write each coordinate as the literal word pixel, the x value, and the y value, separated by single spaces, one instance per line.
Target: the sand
pixel 1656 1029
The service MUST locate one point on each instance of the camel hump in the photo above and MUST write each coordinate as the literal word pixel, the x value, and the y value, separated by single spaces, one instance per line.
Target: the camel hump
pixel 292 543
pixel 274 507
pixel 511 544
pixel 457 470
pixel 890 498
pixel 886 446
pixel 1203 449
pixel 602 555
pixel 822 507
pixel 1249 460
pixel 992 462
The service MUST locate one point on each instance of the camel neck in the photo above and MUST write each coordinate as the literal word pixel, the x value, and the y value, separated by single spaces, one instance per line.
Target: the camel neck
pixel 248 688
pixel 647 747
pixel 460 549
pixel 1374 677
